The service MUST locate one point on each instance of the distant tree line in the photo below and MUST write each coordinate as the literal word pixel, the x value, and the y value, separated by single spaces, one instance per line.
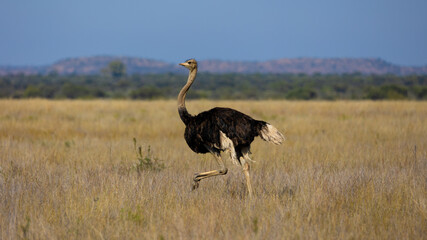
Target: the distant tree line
pixel 114 83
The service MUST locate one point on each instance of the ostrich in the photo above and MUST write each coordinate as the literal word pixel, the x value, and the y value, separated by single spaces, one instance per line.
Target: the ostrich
pixel 222 129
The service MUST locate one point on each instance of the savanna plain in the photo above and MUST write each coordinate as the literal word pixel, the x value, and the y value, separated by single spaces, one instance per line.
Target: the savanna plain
pixel 113 169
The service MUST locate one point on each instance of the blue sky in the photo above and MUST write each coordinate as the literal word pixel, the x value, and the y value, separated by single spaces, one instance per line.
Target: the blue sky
pixel 44 31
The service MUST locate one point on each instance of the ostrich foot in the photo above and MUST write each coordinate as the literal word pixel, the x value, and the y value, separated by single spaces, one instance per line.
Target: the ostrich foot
pixel 195 185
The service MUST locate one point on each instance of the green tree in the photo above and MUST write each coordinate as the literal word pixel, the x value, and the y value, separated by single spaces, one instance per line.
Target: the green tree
pixel 117 69
pixel 146 92
pixel 391 91
pixel 301 93
pixel 70 90
pixel 32 91
pixel 395 92
pixel 420 92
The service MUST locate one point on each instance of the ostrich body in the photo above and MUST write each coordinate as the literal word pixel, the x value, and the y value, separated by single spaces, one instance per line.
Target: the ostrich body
pixel 222 129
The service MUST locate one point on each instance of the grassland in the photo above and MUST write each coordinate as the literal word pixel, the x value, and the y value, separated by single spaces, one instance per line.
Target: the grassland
pixel 348 170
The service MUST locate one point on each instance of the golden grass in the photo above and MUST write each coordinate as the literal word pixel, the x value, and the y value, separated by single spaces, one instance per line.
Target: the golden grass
pixel 348 170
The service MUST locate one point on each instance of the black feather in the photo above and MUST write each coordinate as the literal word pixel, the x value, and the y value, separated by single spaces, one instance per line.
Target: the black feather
pixel 203 130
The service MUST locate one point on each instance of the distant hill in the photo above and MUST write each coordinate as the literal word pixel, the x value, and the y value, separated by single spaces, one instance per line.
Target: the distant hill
pixel 94 65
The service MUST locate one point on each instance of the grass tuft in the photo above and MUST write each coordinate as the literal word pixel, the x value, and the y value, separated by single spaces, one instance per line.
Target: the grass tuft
pixel 146 162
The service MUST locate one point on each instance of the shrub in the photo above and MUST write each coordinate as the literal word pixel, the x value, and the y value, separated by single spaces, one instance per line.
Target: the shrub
pixel 301 93
pixel 146 162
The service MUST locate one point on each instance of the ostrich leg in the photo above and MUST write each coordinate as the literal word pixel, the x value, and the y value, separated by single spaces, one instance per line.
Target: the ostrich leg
pixel 246 168
pixel 203 175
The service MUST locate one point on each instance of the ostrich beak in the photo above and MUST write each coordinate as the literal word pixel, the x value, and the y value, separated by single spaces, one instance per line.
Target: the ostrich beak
pixel 183 64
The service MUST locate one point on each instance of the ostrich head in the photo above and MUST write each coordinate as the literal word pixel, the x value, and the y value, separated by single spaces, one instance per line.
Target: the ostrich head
pixel 190 64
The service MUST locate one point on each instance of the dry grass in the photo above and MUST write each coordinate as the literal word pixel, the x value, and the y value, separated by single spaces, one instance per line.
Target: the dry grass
pixel 348 170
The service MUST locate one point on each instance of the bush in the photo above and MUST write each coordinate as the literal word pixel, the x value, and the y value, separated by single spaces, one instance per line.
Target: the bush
pixel 70 90
pixel 147 92
pixel 32 92
pixel 420 92
pixel 391 92
pixel 302 93
pixel 146 162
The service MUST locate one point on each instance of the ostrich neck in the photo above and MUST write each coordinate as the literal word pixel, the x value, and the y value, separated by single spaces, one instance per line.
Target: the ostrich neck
pixel 184 90
pixel 183 113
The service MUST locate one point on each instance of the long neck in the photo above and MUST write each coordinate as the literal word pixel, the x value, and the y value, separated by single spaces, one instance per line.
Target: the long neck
pixel 183 113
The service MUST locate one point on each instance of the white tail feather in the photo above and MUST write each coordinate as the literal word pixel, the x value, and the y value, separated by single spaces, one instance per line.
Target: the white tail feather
pixel 271 134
